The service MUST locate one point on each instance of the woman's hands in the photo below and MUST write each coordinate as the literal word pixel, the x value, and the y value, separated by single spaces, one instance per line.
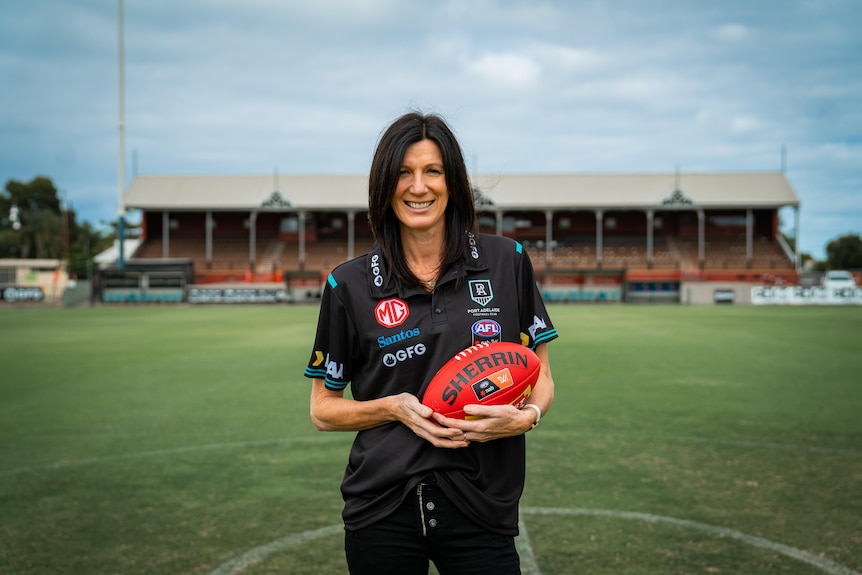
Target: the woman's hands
pixel 489 422
pixel 331 411
pixel 419 419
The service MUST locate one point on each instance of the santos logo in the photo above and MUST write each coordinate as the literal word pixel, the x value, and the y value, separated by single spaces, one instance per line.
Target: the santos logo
pixel 401 336
pixel 392 359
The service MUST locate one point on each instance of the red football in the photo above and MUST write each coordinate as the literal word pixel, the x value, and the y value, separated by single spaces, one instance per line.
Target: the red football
pixel 490 373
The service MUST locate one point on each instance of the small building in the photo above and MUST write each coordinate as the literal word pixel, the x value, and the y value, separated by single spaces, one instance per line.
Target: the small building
pixel 32 281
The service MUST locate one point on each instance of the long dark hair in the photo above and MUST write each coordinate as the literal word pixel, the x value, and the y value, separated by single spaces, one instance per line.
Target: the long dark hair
pixel 383 179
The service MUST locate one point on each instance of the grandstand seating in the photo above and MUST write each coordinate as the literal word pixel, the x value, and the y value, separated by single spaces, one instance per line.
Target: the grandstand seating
pixel 230 251
pixel 230 254
pixel 669 253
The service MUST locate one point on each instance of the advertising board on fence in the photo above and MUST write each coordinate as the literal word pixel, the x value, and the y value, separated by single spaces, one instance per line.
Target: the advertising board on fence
pixel 795 295
pixel 16 294
pixel 236 295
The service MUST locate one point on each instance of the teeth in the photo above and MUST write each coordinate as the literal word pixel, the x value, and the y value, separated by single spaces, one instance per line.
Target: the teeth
pixel 418 205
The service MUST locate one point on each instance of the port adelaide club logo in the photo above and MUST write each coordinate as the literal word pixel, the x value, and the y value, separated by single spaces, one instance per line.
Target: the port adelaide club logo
pixel 481 291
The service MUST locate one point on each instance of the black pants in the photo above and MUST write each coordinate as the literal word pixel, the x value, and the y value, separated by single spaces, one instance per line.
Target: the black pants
pixel 426 527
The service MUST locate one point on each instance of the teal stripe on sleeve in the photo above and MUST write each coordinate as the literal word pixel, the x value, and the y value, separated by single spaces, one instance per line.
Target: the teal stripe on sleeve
pixel 334 385
pixel 332 283
pixel 545 337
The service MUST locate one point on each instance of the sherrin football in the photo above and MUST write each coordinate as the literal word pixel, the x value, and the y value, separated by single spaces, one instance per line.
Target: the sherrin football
pixel 488 373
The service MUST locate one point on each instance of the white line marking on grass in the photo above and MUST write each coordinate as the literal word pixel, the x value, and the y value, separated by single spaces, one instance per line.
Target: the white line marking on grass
pixel 161 452
pixel 820 563
pixel 525 550
pixel 258 554
pixel 530 566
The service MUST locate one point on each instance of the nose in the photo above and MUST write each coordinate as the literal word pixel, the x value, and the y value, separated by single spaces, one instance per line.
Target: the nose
pixel 418 185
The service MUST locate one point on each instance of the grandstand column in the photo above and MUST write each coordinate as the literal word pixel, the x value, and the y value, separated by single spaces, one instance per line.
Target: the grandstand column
pixel 650 216
pixel 499 215
pixel 351 233
pixel 252 235
pixel 600 218
pixel 301 216
pixel 209 239
pixel 166 234
pixel 549 238
pixel 701 240
pixel 749 237
pixel 796 236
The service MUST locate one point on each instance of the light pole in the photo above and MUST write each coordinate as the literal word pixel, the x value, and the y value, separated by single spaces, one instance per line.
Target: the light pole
pixel 121 263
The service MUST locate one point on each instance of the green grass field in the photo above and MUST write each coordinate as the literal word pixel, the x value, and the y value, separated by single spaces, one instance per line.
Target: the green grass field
pixel 168 440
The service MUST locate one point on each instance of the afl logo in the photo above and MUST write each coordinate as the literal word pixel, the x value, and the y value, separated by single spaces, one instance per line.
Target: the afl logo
pixel 486 330
pixel 391 312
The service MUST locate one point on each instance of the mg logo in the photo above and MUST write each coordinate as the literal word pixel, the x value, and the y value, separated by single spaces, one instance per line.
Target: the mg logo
pixel 391 312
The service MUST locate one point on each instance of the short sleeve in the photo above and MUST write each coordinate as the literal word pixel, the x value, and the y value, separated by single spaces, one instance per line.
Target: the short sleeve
pixel 536 326
pixel 333 344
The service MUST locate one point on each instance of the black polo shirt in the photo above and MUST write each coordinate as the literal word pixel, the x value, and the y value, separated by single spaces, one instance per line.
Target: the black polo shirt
pixel 384 341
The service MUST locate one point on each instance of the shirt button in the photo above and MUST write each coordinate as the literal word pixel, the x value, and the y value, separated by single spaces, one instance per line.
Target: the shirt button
pixel 432 522
pixel 429 506
pixel 438 310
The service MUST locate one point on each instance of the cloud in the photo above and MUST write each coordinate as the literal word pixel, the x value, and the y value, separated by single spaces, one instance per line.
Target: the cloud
pixel 744 124
pixel 509 70
pixel 732 33
pixel 566 60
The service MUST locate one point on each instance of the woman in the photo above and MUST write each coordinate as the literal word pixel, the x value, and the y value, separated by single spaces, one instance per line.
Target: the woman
pixel 419 486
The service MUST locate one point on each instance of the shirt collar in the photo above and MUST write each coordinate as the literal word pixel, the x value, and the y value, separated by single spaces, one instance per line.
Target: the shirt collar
pixel 473 260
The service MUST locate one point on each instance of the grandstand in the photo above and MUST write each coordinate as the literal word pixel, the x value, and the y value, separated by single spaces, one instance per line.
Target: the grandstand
pixel 592 237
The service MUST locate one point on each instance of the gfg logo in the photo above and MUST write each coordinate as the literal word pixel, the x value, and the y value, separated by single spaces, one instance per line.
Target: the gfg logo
pixel 375 270
pixel 391 312
pixel 392 359
pixel 471 240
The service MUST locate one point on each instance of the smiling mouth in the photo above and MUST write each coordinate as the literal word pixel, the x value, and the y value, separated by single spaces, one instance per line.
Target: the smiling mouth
pixel 418 205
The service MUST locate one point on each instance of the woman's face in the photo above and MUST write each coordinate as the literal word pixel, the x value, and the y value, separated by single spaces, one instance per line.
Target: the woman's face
pixel 421 195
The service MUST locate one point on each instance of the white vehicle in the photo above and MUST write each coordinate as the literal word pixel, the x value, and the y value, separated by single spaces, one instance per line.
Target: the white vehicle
pixel 838 279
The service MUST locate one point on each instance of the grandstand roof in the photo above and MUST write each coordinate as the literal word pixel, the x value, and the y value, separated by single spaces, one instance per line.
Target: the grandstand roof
pixel 503 191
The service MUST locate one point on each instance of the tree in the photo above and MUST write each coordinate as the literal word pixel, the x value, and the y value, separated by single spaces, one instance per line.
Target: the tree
pixel 37 207
pixel 34 225
pixel 86 242
pixel 845 252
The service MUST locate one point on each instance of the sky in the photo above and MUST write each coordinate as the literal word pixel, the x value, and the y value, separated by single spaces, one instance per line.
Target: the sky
pixel 564 86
